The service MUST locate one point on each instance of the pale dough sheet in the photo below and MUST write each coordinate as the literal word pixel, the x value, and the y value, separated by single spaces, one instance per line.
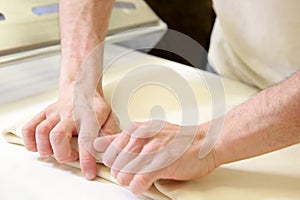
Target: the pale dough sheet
pixel 24 175
pixel 11 132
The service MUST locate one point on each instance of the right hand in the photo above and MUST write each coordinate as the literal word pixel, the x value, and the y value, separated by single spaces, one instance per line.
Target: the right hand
pixel 148 151
pixel 50 131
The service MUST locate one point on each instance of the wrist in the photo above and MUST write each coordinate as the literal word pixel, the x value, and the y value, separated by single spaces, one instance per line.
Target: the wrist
pixel 219 154
pixel 214 135
pixel 68 87
pixel 85 74
pixel 206 149
pixel 76 52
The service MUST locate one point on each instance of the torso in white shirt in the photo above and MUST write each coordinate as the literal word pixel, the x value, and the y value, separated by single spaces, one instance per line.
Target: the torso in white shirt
pixel 256 41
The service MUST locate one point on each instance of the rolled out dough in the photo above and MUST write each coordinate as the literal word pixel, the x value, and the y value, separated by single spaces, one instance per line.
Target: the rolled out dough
pixel 272 176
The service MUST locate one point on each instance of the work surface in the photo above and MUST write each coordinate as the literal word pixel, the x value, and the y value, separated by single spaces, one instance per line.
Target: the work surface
pixel 26 176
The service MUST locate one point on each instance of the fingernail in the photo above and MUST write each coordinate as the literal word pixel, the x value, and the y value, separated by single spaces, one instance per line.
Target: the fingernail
pixel 45 155
pixel 32 149
pixel 89 175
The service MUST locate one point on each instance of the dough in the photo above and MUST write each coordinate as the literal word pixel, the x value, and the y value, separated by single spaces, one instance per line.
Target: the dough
pixel 273 176
pixel 103 171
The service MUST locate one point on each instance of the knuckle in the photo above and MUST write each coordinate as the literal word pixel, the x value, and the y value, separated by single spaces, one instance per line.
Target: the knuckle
pixel 106 132
pixel 29 139
pixel 42 129
pixel 86 160
pixel 132 149
pixel 56 136
pixel 151 148
pixel 143 180
pixel 27 132
pixel 28 128
pixel 132 125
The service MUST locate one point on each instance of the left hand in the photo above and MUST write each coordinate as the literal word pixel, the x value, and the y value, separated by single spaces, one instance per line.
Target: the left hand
pixel 146 152
pixel 50 132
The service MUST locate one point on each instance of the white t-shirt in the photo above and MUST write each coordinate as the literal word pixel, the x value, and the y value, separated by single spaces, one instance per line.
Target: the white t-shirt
pixel 256 41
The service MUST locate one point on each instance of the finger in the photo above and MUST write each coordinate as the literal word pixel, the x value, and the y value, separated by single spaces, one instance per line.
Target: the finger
pixel 114 149
pixel 88 132
pixel 87 161
pixel 102 143
pixel 60 138
pixel 124 178
pixel 28 131
pixel 131 128
pixel 102 116
pixel 150 159
pixel 111 126
pixel 141 182
pixel 129 153
pixel 148 129
pixel 145 168
pixel 42 136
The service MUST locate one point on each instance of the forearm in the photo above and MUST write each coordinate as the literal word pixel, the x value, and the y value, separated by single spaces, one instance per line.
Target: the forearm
pixel 267 122
pixel 83 26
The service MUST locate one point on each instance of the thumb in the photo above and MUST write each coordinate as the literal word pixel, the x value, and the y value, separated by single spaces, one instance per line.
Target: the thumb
pixel 87 161
pixel 89 129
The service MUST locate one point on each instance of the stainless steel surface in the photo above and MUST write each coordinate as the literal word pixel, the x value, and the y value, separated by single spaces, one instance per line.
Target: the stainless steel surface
pixel 149 36
pixel 33 24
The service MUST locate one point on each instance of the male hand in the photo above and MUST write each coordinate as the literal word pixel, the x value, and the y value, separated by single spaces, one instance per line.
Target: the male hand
pixel 50 131
pixel 146 152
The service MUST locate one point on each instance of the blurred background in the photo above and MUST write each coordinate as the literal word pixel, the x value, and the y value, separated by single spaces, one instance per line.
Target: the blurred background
pixel 194 18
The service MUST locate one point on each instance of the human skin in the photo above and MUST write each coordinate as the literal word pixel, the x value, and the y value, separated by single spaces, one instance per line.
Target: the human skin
pixel 83 26
pixel 266 122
